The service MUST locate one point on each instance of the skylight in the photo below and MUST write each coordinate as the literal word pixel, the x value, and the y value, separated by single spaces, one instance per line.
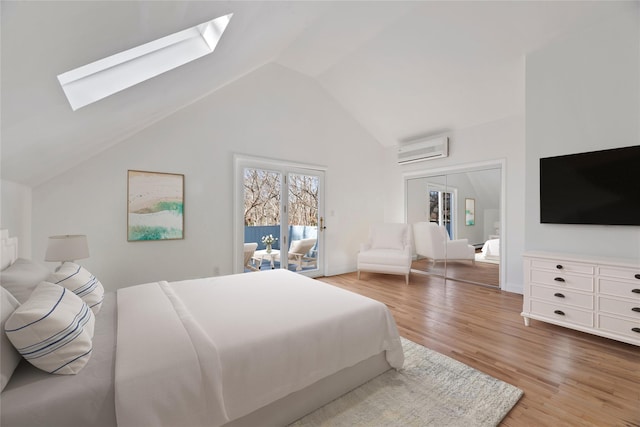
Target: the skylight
pixel 92 82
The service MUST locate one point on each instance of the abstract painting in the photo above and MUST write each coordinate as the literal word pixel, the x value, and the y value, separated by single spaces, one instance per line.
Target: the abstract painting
pixel 155 206
pixel 470 211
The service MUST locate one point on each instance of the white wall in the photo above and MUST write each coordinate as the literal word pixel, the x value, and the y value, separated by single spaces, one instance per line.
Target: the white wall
pixel 272 112
pixel 501 140
pixel 583 94
pixel 15 214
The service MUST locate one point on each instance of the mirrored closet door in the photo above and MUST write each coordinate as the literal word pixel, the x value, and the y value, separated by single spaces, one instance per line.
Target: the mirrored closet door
pixel 456 219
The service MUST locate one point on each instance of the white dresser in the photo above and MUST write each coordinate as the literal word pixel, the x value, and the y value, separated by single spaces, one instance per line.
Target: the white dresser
pixel 600 296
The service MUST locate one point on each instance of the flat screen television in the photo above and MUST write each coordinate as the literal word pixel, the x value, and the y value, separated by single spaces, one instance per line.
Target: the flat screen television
pixel 598 187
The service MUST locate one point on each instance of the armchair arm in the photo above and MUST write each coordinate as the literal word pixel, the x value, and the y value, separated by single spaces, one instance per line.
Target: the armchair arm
pixel 365 247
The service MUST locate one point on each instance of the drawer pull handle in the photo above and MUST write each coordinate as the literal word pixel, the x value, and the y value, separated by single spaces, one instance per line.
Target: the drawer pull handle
pixel 560 312
pixel 637 276
pixel 635 291
pixel 559 295
pixel 636 330
pixel 636 309
pixel 559 279
pixel 559 267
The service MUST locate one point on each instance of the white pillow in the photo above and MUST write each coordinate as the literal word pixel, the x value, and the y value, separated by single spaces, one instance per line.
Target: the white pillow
pixel 22 277
pixel 53 330
pixel 388 236
pixel 9 357
pixel 84 284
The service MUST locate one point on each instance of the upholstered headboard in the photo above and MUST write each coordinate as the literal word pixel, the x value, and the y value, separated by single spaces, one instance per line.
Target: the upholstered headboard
pixel 8 249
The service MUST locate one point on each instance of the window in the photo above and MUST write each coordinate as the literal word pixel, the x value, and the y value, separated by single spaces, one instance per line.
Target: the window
pixel 95 81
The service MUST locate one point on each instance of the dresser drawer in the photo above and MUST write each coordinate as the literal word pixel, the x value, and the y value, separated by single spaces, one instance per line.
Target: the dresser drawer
pixel 567 267
pixel 619 307
pixel 628 328
pixel 562 313
pixel 562 280
pixel 632 274
pixel 618 288
pixel 562 297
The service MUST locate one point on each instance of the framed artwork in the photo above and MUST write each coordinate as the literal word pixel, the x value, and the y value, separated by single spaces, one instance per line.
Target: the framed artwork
pixel 155 206
pixel 469 211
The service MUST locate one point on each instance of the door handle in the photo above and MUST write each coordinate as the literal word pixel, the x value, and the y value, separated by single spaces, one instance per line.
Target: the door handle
pixel 322 226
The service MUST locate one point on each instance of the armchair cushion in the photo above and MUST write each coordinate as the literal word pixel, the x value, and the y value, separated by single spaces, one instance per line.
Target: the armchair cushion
pixel 432 241
pixel 384 257
pixel 388 236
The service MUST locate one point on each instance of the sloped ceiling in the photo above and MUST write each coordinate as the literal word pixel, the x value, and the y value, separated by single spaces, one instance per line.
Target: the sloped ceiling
pixel 402 69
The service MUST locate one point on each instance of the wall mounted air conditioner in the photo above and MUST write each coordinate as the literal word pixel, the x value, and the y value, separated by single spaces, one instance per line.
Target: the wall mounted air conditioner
pixel 423 149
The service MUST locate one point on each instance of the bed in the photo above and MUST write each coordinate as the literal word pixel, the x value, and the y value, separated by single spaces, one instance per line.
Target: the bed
pixel 490 251
pixel 242 350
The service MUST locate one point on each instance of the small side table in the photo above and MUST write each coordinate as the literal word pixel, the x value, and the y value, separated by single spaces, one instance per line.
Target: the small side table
pixel 259 256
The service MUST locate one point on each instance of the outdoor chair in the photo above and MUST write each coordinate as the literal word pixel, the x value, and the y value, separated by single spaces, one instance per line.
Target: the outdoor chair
pixel 298 253
pixel 249 249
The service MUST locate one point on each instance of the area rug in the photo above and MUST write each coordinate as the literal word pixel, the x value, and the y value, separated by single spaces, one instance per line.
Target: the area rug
pixel 431 390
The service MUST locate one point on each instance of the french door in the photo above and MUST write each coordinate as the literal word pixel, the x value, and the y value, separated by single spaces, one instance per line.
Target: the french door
pixel 279 216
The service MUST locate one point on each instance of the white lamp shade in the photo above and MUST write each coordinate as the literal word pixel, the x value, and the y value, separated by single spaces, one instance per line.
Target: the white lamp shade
pixel 67 248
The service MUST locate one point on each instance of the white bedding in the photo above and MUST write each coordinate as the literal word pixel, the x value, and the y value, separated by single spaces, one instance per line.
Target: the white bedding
pixel 207 351
pixel 491 249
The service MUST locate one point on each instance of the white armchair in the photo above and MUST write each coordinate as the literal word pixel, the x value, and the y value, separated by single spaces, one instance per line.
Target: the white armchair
pixel 432 241
pixel 387 251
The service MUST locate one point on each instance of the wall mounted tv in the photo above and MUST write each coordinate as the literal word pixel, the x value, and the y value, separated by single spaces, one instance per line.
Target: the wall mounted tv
pixel 598 187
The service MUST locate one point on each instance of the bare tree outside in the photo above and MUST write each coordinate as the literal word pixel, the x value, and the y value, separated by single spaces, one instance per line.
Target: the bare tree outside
pixel 303 200
pixel 262 198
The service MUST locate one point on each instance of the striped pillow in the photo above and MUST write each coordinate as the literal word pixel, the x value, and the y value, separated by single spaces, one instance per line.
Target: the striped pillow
pixel 9 357
pixel 52 330
pixel 84 284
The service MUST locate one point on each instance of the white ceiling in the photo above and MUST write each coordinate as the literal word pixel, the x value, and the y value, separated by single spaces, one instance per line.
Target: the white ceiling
pixel 401 69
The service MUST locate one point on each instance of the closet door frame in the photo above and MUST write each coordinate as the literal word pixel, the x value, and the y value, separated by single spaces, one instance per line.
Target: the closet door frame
pixel 425 172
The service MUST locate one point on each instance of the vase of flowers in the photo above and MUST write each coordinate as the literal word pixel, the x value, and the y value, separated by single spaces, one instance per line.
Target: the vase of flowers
pixel 269 241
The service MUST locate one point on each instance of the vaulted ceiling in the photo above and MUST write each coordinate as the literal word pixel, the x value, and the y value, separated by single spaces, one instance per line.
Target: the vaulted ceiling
pixel 401 69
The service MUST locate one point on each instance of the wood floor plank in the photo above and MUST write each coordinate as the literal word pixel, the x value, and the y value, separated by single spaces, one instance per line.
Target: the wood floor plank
pixel 569 378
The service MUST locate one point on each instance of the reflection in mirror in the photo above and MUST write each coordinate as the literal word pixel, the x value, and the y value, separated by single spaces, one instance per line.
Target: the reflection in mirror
pixel 426 200
pixel 451 242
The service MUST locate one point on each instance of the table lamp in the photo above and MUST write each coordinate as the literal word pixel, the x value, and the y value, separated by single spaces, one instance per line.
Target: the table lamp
pixel 67 248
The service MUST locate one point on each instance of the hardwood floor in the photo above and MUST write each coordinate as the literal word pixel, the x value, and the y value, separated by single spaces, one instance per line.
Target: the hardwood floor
pixel 480 272
pixel 569 378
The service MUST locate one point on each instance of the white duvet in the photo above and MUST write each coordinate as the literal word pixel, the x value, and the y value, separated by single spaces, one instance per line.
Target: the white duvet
pixel 208 351
pixel 491 249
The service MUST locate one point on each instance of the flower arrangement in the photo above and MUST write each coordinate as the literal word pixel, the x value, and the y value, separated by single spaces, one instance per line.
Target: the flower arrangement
pixel 268 241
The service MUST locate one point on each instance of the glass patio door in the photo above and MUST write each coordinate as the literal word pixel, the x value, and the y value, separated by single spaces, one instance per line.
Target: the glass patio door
pixel 279 217
pixel 442 208
pixel 304 220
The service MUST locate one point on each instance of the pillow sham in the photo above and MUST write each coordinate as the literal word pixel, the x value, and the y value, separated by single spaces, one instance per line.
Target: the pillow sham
pixel 8 249
pixel 84 284
pixel 9 357
pixel 22 277
pixel 52 330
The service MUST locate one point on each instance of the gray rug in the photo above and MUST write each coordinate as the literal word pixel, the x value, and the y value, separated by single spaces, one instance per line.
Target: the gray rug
pixel 431 390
